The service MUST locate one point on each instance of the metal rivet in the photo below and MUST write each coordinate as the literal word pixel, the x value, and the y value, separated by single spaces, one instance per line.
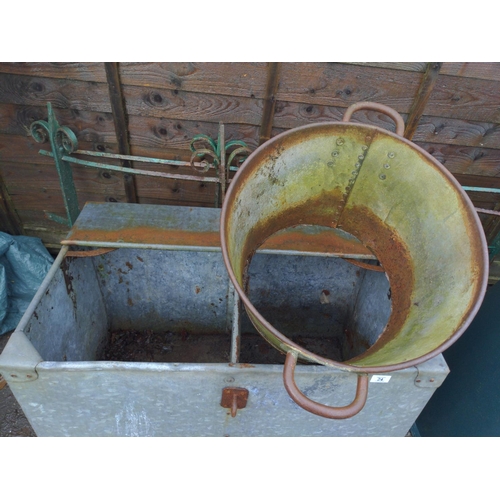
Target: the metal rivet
pixel 354 172
pixel 14 376
pixel 340 141
pixel 335 153
pixel 358 165
pixel 382 176
pixel 431 380
pixel 348 188
pixel 364 148
pixel 330 164
pixel 391 155
pixel 387 165
pixel 229 380
pixel 418 381
pixel 360 157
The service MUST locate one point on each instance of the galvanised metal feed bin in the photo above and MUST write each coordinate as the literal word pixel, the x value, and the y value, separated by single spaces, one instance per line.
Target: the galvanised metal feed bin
pixel 200 368
pixel 144 334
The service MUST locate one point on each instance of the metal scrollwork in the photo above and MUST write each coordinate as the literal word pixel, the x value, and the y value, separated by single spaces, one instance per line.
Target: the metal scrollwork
pixel 202 145
pixel 63 138
pixel 40 131
pixel 66 139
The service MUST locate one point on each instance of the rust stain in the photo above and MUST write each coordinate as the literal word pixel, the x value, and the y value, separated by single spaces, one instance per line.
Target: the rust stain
pixel 323 242
pixel 129 265
pixel 245 365
pixel 295 240
pixel 146 234
pixel 130 302
pixel 396 261
pixel 198 290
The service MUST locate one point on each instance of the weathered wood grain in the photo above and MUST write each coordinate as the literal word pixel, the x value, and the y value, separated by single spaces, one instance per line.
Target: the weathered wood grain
pixel 292 114
pixel 478 180
pixel 341 85
pixel 19 149
pixel 144 101
pixel 424 92
pixel 244 79
pixel 400 66
pixel 334 84
pixel 177 104
pixel 62 93
pixel 273 75
pixel 481 70
pixel 88 126
pixel 86 71
pixel 9 219
pixel 42 177
pixel 466 160
pixel 121 126
pixel 430 128
pixel 151 132
pixel 465 98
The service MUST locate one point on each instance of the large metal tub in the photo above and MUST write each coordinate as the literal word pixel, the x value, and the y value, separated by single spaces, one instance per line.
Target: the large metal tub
pixel 400 202
pixel 168 277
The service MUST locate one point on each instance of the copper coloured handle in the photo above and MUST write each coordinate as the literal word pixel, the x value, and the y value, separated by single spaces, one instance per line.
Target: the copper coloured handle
pixel 375 106
pixel 317 408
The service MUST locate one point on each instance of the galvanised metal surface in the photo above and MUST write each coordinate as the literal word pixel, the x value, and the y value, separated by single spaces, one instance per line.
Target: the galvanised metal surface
pixel 64 388
pixel 396 199
pixel 147 399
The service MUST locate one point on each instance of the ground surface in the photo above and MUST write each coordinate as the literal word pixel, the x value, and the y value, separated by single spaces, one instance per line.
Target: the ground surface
pixel 13 422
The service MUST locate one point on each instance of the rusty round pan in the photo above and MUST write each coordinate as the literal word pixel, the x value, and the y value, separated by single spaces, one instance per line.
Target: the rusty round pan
pixel 398 200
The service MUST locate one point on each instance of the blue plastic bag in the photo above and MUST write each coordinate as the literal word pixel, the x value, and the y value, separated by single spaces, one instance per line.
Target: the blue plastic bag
pixel 24 263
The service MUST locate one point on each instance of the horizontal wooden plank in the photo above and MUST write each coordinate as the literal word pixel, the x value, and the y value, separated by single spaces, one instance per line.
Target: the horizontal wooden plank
pixel 143 101
pixel 244 79
pixel 19 149
pixel 341 85
pixel 177 104
pixel 403 66
pixel 465 98
pixel 44 177
pixel 458 132
pixel 294 114
pixel 334 84
pixel 466 160
pixel 481 70
pixel 62 93
pixel 159 133
pixel 478 180
pixel 430 128
pixel 89 126
pixel 86 71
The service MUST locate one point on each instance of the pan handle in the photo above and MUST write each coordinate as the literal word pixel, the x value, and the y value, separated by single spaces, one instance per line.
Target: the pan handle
pixel 375 106
pixel 317 408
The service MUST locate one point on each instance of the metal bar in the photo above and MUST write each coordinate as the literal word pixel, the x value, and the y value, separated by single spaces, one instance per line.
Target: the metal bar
pixel 64 170
pixel 137 171
pixel 121 126
pixel 222 165
pixel 424 91
pixel 236 327
pixel 193 248
pixel 143 159
pixel 485 211
pixel 269 102
pixel 43 288
pixel 481 189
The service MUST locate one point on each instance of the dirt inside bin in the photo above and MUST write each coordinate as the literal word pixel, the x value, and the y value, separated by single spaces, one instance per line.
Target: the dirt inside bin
pixel 186 347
